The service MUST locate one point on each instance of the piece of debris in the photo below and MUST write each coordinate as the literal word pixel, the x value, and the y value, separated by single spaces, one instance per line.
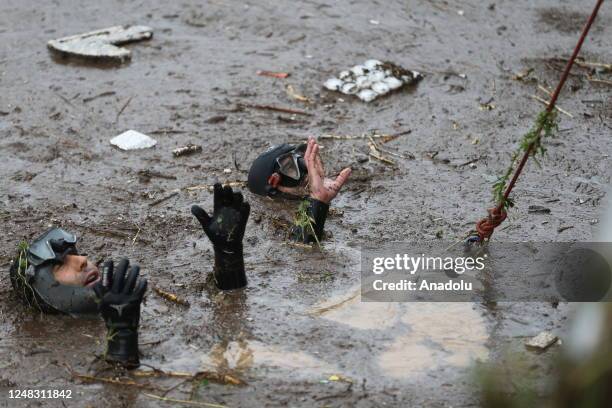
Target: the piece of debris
pixel 291 92
pixel 372 79
pixel 376 153
pixel 171 297
pixel 102 43
pixel 521 76
pixel 545 102
pixel 561 229
pixel 280 75
pixel 103 94
pixel 147 174
pixel 210 187
pixel 186 150
pixel 277 109
pixel 542 341
pixel 161 200
pixel 133 140
pixel 216 119
pixel 538 209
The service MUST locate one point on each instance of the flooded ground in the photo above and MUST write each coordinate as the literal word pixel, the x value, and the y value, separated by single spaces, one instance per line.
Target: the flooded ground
pixel 298 335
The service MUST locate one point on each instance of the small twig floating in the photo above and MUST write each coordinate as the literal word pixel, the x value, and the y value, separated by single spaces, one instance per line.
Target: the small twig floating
pixel 272 74
pixel 171 297
pixel 210 187
pixel 545 102
pixel 599 81
pixel 385 138
pixel 277 109
pixel 161 200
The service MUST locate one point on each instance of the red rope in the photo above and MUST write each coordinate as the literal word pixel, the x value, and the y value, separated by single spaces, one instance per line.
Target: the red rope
pixel 497 215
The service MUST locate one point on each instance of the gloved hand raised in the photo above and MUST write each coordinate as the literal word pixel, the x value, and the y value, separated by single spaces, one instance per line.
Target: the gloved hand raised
pixel 225 229
pixel 121 295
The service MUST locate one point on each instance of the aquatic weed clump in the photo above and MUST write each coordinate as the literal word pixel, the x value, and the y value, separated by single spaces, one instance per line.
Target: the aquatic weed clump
pixel 304 222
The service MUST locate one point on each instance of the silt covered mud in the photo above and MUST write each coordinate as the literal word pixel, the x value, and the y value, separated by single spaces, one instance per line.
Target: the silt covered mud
pixel 298 335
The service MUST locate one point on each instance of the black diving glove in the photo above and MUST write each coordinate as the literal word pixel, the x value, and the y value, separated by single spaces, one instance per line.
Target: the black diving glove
pixel 120 297
pixel 225 230
pixel 311 230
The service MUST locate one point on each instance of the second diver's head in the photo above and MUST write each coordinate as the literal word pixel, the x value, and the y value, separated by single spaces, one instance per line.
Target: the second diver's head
pixel 281 168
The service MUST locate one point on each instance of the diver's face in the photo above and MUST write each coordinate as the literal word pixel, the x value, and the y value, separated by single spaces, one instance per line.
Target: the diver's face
pixel 298 191
pixel 77 271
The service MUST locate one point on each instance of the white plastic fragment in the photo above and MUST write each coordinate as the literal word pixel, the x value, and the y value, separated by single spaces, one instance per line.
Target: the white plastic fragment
pixel 363 82
pixel 133 140
pixel 349 88
pixel 102 43
pixel 333 84
pixel 542 341
pixel 367 95
pixel 376 76
pixel 380 88
pixel 371 64
pixel 344 74
pixel 358 70
pixel 393 83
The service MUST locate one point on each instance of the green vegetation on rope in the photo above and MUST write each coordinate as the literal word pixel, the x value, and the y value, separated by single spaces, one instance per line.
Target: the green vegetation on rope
pixel 303 220
pixel 546 122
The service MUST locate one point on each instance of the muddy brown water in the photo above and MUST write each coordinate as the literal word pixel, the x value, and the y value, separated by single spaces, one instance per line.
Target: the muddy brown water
pixel 299 322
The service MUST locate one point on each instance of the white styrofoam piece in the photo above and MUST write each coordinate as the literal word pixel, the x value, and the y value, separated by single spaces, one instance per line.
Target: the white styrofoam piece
pixel 133 140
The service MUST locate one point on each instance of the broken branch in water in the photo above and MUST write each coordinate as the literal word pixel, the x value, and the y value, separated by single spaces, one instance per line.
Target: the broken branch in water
pixel 210 187
pixel 161 200
pixel 599 81
pixel 272 74
pixel 545 102
pixel 375 153
pixel 277 109
pixel 385 138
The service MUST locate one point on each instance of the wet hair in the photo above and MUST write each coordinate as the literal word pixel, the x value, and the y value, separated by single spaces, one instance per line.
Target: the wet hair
pixel 22 288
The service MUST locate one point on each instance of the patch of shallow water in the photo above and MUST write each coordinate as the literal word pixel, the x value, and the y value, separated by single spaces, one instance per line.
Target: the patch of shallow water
pixel 240 356
pixel 348 309
pixel 425 336
pixel 453 334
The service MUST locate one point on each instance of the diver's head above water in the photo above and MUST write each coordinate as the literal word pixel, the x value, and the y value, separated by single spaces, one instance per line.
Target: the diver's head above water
pixel 295 172
pixel 50 275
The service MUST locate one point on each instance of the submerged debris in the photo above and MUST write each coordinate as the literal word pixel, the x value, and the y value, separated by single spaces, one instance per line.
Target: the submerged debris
pixel 186 150
pixel 133 140
pixel 542 341
pixel 102 43
pixel 170 296
pixel 272 74
pixel 372 79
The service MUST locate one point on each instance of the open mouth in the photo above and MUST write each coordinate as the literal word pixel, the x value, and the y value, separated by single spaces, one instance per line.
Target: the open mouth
pixel 92 278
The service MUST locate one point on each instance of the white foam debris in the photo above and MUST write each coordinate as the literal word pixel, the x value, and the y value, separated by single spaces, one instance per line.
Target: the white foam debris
pixel 367 95
pixel 333 84
pixel 380 88
pixel 133 140
pixel 102 43
pixel 349 88
pixel 372 79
